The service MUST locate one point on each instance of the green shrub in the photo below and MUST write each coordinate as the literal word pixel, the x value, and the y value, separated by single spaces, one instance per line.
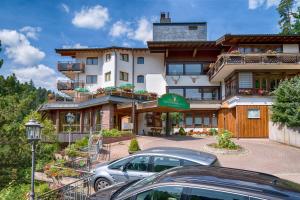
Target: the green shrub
pixel 181 131
pixel 134 146
pixel 224 140
pixel 71 151
pixel 213 131
pixel 115 133
pixel 84 142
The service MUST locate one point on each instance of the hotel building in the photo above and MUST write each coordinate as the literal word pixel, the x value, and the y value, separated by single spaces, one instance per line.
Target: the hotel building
pixel 226 82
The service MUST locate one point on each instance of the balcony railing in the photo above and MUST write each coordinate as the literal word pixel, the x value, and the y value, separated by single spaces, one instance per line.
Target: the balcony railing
pixel 263 58
pixel 70 66
pixel 248 91
pixel 69 85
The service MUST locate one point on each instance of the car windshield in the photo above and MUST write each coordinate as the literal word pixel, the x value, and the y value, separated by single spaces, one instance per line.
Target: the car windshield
pixel 140 184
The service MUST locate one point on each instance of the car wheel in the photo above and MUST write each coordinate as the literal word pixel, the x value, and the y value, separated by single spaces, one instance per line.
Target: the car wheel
pixel 101 183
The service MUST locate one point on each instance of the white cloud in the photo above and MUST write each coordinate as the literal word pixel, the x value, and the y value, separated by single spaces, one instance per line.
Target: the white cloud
pixel 91 17
pixel 18 48
pixel 31 32
pixel 143 32
pixel 75 46
pixel 65 7
pixel 254 4
pixel 119 28
pixel 41 75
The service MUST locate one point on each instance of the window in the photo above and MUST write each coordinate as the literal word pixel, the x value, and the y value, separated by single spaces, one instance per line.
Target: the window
pixel 206 122
pixel 107 57
pixel 140 79
pixel 253 113
pixel 175 69
pixel 140 60
pixel 123 76
pixel 91 79
pixel 92 61
pixel 188 120
pixel 161 193
pixel 193 93
pixel 198 121
pixel 193 69
pixel 125 57
pixel 200 194
pixel 118 163
pixel 214 121
pixel 161 163
pixel 188 163
pixel 139 163
pixel 245 79
pixel 207 94
pixel 178 91
pixel 107 76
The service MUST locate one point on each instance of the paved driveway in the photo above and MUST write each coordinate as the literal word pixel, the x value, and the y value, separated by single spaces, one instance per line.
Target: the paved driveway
pixel 262 155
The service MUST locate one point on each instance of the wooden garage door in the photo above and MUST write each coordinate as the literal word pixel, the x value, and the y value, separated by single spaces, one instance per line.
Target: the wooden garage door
pixel 252 121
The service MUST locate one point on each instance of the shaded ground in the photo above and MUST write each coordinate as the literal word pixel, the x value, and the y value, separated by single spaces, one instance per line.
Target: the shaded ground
pixel 262 155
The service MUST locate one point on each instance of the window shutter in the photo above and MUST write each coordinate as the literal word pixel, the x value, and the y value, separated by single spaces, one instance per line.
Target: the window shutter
pixel 245 80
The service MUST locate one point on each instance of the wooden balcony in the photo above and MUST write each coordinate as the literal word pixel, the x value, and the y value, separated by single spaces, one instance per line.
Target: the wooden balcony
pixel 248 92
pixel 70 67
pixel 227 63
pixel 68 85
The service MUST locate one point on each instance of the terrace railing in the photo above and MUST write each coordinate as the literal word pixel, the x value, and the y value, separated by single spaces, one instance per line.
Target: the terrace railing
pixel 263 58
pixel 70 66
pixel 69 85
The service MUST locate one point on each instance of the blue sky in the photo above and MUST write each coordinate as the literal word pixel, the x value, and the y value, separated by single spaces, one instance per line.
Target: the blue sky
pixel 30 30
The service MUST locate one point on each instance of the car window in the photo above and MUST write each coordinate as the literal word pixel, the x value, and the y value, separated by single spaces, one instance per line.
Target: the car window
pixel 139 163
pixel 203 194
pixel 189 163
pixel 162 193
pixel 161 163
pixel 118 163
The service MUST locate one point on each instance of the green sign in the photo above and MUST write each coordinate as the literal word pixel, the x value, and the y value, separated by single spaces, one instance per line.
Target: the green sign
pixel 173 101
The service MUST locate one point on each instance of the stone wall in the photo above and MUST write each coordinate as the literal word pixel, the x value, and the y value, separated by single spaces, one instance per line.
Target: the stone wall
pixel 171 32
pixel 283 134
pixel 108 116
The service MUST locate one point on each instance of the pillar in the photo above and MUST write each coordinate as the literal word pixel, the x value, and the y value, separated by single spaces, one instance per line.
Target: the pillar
pixel 108 111
pixel 57 121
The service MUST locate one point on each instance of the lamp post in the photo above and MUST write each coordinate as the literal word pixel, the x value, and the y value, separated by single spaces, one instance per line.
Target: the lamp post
pixel 70 120
pixel 33 132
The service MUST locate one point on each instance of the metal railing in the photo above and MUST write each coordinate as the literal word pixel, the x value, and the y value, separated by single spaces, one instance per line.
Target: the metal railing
pixel 69 85
pixel 71 66
pixel 263 58
pixel 78 190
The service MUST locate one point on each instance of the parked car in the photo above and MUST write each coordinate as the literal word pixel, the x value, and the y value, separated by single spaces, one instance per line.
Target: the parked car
pixel 203 182
pixel 146 163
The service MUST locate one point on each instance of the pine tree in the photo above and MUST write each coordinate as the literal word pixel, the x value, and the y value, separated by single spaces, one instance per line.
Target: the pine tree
pixel 289 17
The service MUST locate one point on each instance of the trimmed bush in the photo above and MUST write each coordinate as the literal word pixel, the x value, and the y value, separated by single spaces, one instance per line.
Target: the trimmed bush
pixel 134 146
pixel 225 142
pixel 213 131
pixel 182 131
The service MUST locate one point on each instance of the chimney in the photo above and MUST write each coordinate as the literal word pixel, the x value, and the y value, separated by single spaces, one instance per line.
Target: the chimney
pixel 164 17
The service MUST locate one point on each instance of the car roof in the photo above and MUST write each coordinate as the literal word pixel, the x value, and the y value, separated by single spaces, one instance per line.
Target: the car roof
pixel 230 178
pixel 197 156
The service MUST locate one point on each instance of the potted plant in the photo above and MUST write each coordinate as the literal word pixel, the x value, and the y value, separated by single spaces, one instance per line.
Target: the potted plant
pixel 133 146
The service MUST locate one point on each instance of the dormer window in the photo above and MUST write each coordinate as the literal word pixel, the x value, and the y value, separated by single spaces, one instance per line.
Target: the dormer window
pixel 107 57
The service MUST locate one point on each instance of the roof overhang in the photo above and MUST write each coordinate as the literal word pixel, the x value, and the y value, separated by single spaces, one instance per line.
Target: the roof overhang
pixel 228 39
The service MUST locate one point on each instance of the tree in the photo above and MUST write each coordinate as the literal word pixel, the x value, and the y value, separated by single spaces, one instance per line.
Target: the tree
pixel 289 17
pixel 286 107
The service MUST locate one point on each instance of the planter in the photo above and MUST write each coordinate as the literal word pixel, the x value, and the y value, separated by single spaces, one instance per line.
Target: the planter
pixel 212 149
pixel 109 140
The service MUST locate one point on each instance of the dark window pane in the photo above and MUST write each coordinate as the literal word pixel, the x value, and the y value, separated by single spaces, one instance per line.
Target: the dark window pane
pixel 140 60
pixel 193 93
pixel 118 163
pixel 202 194
pixel 193 69
pixel 107 57
pixel 207 94
pixel 92 61
pixel 178 91
pixel 188 163
pixel 175 69
pixel 91 79
pixel 206 122
pixel 161 163
pixel 198 121
pixel 140 79
pixel 139 163
pixel 162 193
pixel 189 120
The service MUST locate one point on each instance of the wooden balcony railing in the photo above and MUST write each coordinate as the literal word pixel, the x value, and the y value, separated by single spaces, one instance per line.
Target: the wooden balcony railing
pixel 248 92
pixel 263 58
pixel 70 66
pixel 69 85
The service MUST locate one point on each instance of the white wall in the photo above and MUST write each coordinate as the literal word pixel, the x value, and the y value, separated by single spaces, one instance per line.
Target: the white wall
pixel 124 67
pixel 186 80
pixel 109 67
pixel 290 48
pixel 284 134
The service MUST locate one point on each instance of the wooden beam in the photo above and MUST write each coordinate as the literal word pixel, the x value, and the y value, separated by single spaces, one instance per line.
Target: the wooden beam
pixel 167 53
pixel 194 52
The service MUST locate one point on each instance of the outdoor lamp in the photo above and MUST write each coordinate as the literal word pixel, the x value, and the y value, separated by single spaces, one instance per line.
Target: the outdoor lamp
pixel 70 118
pixel 33 130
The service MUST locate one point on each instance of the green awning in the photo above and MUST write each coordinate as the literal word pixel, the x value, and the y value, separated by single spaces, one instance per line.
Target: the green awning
pixel 80 89
pixel 174 101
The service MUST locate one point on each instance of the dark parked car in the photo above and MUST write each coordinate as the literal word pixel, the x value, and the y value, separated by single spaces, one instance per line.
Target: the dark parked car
pixel 203 183
pixel 146 163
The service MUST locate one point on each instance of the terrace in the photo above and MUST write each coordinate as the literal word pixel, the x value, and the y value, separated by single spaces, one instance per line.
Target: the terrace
pixel 227 63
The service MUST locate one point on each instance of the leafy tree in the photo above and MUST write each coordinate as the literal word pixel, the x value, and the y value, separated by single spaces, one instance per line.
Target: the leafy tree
pixel 289 17
pixel 286 107
pixel 1 60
